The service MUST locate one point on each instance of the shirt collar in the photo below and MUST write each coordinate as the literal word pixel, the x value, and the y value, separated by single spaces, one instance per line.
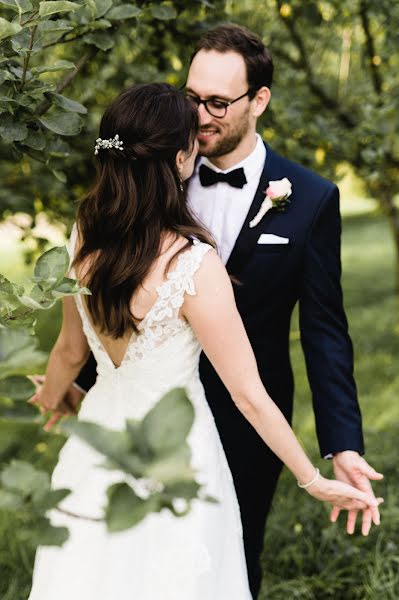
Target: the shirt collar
pixel 251 164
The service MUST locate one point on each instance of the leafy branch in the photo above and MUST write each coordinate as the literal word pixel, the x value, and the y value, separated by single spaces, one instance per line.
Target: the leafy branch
pixel 68 78
pixel 304 63
pixel 27 57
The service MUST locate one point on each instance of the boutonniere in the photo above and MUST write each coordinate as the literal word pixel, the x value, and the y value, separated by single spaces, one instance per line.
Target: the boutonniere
pixel 277 195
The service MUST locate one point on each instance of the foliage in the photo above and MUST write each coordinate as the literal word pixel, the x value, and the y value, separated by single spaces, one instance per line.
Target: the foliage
pixel 62 64
pixel 19 305
pixel 26 492
pixel 154 457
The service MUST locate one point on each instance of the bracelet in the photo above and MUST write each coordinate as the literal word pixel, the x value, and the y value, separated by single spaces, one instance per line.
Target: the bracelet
pixel 306 485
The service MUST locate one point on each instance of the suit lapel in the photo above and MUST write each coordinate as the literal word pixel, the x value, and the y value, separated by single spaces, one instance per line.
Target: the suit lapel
pixel 248 237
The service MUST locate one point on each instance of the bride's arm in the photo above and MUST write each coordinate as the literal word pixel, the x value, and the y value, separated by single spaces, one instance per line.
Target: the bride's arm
pixel 214 317
pixel 67 357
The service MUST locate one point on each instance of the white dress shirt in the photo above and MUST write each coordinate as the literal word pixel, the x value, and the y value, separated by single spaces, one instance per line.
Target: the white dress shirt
pixel 221 207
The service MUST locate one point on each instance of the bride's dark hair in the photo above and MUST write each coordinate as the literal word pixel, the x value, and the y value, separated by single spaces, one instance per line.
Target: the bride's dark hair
pixel 136 198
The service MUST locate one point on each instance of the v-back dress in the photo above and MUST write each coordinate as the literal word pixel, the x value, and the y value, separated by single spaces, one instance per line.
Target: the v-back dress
pixel 196 557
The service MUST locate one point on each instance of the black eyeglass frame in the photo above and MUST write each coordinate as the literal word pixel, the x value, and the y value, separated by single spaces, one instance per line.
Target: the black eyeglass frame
pixel 225 103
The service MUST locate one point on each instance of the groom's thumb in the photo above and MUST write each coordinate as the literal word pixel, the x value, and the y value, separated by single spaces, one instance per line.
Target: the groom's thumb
pixel 370 472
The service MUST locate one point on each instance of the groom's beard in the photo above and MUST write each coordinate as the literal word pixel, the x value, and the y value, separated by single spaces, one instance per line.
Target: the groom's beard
pixel 228 139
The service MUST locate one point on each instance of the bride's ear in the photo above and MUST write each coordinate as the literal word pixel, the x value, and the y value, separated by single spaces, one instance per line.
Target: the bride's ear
pixel 180 160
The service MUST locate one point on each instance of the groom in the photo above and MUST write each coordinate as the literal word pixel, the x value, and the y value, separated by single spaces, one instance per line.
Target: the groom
pixel 288 257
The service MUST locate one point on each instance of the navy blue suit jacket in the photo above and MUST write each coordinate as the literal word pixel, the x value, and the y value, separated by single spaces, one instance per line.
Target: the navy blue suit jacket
pixel 307 270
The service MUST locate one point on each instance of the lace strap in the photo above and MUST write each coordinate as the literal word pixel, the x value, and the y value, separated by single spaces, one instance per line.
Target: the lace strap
pixel 179 282
pixel 187 265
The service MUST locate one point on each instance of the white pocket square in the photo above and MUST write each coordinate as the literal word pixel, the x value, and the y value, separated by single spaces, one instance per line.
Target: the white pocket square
pixel 270 238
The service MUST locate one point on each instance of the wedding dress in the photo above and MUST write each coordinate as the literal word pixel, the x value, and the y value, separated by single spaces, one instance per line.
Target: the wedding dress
pixel 196 557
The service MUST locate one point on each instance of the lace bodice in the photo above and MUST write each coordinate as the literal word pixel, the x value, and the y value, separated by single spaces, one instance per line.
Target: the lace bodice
pixel 162 321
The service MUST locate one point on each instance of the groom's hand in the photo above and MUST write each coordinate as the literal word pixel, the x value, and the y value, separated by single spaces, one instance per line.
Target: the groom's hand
pixel 350 467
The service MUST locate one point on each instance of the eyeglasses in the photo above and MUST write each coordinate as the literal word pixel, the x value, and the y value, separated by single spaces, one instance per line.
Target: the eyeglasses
pixel 216 108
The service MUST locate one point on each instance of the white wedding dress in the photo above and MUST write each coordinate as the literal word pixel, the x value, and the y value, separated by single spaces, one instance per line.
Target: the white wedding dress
pixel 196 557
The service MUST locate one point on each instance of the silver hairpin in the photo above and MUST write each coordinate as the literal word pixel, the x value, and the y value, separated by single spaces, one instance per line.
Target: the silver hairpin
pixel 110 143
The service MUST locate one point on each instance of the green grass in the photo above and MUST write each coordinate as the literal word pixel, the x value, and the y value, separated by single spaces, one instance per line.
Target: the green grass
pixel 305 556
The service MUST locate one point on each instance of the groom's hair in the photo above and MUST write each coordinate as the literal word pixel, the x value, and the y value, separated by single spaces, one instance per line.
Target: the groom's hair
pixel 234 38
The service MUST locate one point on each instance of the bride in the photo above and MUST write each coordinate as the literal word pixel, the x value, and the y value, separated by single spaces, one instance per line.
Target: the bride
pixel 160 295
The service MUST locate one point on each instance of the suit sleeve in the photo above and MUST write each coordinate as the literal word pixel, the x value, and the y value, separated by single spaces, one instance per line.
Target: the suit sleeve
pixel 324 335
pixel 87 376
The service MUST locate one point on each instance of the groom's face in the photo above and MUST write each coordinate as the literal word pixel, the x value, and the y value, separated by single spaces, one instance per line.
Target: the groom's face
pixel 221 76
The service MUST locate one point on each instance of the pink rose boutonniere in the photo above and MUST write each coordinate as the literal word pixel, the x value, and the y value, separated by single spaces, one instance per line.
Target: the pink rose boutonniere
pixel 277 195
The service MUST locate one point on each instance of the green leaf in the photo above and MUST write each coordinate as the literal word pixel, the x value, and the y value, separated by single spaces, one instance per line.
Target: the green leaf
pixel 9 4
pixel 40 532
pixel 113 444
pixel 59 65
pixel 182 489
pixel 35 140
pixel 60 175
pixel 163 12
pixel 24 6
pixel 52 29
pixel 19 411
pixel 103 41
pixel 62 123
pixel 19 352
pixel 173 467
pixel 69 287
pixel 168 424
pixel 52 265
pixel 91 5
pixel 49 499
pixel 12 131
pixel 56 6
pixel 10 500
pixel 124 11
pixel 102 7
pixel 8 296
pixel 58 148
pixel 7 29
pixel 21 44
pixel 66 103
pixel 34 304
pixel 23 477
pixel 16 387
pixel 101 24
pixel 125 509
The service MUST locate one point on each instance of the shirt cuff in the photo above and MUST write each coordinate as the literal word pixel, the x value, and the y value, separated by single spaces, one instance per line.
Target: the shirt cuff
pixel 328 456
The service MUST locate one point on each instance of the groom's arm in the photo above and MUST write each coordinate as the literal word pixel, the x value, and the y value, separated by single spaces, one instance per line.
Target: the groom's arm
pixel 324 334
pixel 87 376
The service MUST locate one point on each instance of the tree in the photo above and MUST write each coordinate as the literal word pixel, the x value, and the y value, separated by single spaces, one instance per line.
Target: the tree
pixel 336 88
pixel 62 64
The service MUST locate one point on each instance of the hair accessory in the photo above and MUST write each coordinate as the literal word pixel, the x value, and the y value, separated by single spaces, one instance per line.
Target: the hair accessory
pixel 110 143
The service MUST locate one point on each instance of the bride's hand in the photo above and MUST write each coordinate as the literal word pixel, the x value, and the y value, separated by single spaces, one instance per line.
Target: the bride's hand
pixel 341 494
pixel 57 410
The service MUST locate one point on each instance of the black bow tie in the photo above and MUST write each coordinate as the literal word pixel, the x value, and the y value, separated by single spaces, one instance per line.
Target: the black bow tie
pixel 234 178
